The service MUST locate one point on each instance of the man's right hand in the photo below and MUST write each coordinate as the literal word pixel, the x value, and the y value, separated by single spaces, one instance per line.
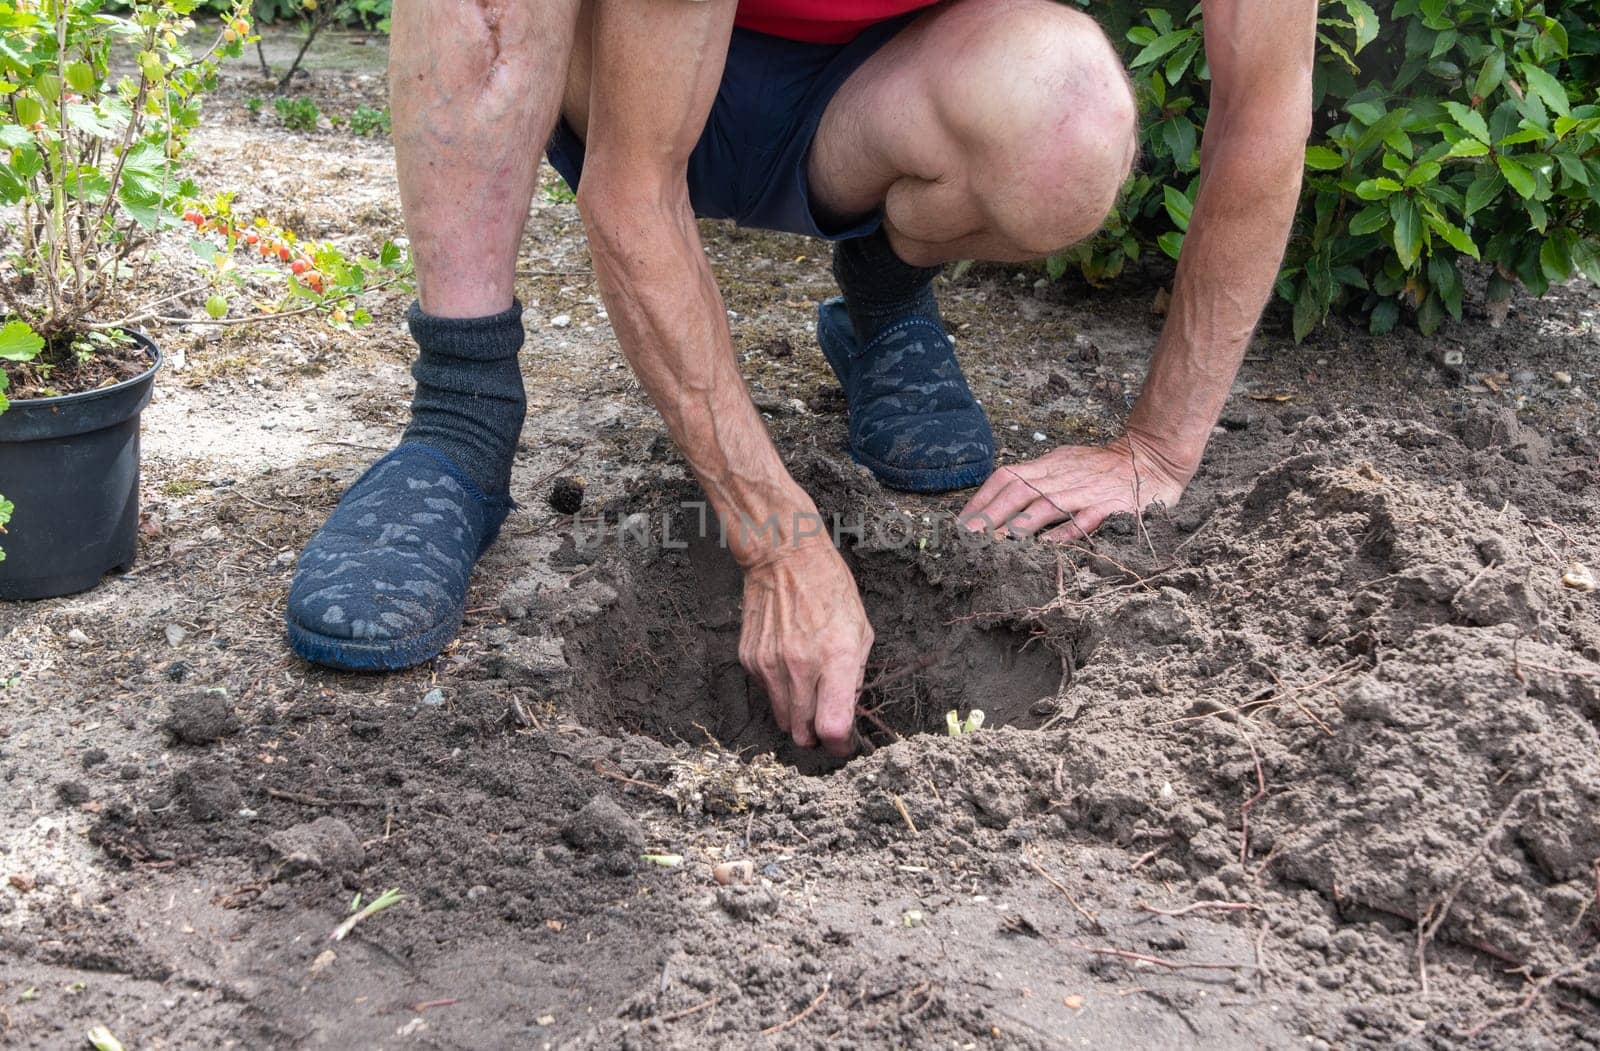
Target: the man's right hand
pixel 806 638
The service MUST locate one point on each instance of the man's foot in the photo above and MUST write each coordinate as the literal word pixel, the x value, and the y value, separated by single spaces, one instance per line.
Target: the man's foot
pixel 913 421
pixel 383 584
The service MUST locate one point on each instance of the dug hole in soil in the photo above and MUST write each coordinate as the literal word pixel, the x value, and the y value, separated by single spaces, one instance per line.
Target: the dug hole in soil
pixel 1311 760
pixel 661 659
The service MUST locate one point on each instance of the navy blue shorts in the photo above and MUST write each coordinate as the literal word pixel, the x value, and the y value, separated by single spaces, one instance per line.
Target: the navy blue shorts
pixel 750 162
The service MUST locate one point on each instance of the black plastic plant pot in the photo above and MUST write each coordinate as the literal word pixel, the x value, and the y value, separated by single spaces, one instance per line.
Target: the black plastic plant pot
pixel 71 467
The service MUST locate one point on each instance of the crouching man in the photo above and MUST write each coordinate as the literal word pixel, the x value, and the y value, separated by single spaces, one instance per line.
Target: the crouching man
pixel 907 133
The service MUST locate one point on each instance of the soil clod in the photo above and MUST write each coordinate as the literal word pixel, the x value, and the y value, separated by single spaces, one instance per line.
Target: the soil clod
pixel 326 845
pixel 202 718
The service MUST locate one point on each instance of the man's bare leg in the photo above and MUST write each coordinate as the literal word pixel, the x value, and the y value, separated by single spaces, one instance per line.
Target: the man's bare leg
pixel 999 130
pixel 986 129
pixel 475 88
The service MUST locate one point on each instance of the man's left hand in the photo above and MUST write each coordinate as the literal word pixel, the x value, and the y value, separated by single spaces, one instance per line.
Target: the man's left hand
pixel 1075 488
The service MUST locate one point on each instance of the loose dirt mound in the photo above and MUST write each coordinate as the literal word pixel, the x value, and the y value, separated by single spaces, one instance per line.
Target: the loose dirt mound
pixel 1352 709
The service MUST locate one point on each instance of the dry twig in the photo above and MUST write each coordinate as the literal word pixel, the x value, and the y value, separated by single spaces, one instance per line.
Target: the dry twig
pixel 1094 921
pixel 1156 961
pixel 1220 906
pixel 1249 804
pixel 805 1012
pixel 1433 918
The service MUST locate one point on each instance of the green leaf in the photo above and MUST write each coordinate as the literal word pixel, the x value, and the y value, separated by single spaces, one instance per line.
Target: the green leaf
pixel 1484 189
pixel 1179 136
pixel 1470 120
pixel 1454 236
pixel 91 121
pixel 1370 219
pixel 1323 159
pixel 1430 314
pixel 1555 256
pixel 19 342
pixel 1547 87
pixel 1407 230
pixel 1573 167
pixel 1384 317
pixel 1171 243
pixel 1586 257
pixel 1517 174
pixel 1178 206
pixel 1365 21
pixel 1468 148
pixel 1159 47
pixel 1492 75
pixel 80 77
pixel 1376 189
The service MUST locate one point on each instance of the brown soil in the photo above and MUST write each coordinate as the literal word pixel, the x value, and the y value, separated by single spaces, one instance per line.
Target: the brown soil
pixel 1336 712
pixel 58 371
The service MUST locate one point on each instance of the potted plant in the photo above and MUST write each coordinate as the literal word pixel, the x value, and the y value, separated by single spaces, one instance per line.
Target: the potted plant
pixel 95 109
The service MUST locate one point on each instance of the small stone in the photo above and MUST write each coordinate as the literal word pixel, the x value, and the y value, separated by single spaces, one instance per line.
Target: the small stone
pixel 72 792
pixel 1522 377
pixel 566 495
pixel 561 321
pixel 1579 577
pixel 731 872
pixel 285 558
pixel 94 757
pixel 1039 436
pixel 1313 936
pixel 434 698
pixel 477 891
pixel 176 634
pixel 912 918
pixel 77 637
pixel 1563 379
pixel 602 827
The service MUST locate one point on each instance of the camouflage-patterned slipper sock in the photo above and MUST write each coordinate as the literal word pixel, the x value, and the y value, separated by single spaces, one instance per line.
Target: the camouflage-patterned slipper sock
pixel 913 421
pixel 383 584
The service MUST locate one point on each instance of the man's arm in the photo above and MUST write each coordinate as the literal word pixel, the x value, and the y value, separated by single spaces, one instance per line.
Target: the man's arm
pixel 657 65
pixel 1251 160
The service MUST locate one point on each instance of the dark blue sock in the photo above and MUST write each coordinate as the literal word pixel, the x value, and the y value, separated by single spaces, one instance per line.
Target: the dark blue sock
pixel 383 583
pixel 879 287
pixel 913 419
pixel 469 403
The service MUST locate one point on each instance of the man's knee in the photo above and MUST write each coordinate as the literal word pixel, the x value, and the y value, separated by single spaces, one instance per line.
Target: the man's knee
pixel 1065 128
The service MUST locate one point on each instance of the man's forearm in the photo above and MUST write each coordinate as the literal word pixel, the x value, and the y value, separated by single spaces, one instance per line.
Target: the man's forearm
pixel 673 329
pixel 1231 254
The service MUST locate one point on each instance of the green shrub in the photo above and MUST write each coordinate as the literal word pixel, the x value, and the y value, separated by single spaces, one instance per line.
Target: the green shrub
pixel 297 114
pixel 1443 131
pixel 363 14
pixel 365 120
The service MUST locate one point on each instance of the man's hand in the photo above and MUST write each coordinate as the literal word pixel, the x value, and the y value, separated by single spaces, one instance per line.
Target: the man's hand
pixel 1075 488
pixel 1261 54
pixel 806 638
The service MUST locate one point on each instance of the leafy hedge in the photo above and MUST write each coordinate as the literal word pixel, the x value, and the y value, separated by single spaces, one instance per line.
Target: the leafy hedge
pixel 365 14
pixel 1444 130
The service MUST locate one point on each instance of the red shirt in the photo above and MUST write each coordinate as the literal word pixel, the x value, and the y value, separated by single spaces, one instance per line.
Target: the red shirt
pixel 820 21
